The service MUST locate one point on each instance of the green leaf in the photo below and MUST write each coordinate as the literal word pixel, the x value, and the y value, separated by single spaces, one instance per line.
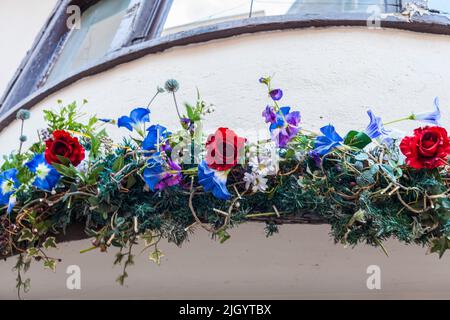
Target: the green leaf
pixel 440 245
pixel 131 182
pixel 223 236
pixel 50 242
pixel 50 264
pixel 156 256
pixel 33 252
pixel 70 172
pixel 357 139
pixel 26 235
pixel 118 164
pixel 65 161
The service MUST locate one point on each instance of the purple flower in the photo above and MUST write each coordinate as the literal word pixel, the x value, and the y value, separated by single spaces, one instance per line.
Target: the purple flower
pixel 276 94
pixel 264 80
pixel 432 117
pixel 316 158
pixel 285 127
pixel 159 175
pixel 327 142
pixel 269 115
pixel 375 127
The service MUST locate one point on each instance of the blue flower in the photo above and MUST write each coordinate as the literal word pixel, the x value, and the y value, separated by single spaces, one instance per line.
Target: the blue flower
pixel 429 117
pixel 156 138
pixel 328 141
pixel 138 117
pixel 11 204
pixel 212 180
pixel 8 185
pixel 375 127
pixel 46 176
pixel 157 177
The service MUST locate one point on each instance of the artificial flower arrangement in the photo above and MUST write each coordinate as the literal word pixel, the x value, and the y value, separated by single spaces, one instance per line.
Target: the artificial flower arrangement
pixel 157 184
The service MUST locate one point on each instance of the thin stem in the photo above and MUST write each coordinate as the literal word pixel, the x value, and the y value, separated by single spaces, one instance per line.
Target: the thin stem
pixel 399 120
pixel 152 99
pixel 21 134
pixel 176 104
pixel 251 9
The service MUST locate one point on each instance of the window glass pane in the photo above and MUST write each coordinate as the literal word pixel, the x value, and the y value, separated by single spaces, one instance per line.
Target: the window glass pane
pixel 99 25
pixel 188 14
pixel 441 5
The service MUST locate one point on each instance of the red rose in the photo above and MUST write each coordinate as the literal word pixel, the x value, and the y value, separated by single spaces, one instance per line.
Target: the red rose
pixel 63 144
pixel 223 148
pixel 428 148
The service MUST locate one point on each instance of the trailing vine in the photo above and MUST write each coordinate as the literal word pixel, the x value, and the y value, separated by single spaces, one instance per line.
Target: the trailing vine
pixel 369 185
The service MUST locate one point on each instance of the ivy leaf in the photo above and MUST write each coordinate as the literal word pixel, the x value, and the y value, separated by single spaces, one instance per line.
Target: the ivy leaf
pixel 33 252
pixel 147 237
pixel 156 256
pixel 357 139
pixel 50 242
pixel 440 245
pixel 50 264
pixel 26 235
pixel 223 236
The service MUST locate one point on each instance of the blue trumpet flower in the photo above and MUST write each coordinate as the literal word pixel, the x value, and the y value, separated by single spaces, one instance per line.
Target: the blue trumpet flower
pixel 375 127
pixel 432 117
pixel 46 176
pixel 138 117
pixel 8 185
pixel 159 175
pixel 327 142
pixel 156 138
pixel 215 181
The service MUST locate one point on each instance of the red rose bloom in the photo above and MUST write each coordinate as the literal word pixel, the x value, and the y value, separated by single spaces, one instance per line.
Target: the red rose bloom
pixel 63 144
pixel 224 149
pixel 428 148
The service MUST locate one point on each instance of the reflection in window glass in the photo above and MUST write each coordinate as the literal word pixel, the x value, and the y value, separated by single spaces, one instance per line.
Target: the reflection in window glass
pixel 99 25
pixel 189 14
pixel 441 5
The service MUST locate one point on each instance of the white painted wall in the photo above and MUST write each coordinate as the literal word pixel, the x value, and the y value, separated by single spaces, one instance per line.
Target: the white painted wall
pixel 20 22
pixel 332 75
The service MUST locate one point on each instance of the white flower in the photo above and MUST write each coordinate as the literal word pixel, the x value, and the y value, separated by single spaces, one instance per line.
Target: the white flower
pixel 249 179
pixel 262 166
pixel 258 182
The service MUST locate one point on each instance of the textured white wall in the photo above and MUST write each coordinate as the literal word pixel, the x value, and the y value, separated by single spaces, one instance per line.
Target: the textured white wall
pixel 331 75
pixel 20 22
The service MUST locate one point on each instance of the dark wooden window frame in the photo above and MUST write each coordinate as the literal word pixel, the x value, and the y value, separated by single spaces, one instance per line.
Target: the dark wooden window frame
pixel 143 40
pixel 146 21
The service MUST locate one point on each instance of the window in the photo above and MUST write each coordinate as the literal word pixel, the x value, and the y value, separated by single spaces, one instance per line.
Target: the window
pixel 98 34
pixel 185 15
pixel 61 55
pixel 105 27
pixel 439 5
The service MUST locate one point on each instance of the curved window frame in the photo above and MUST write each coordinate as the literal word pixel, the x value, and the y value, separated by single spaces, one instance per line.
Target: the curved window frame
pixel 142 39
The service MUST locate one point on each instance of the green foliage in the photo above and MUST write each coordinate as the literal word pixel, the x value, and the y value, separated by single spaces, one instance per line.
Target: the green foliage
pixel 367 196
